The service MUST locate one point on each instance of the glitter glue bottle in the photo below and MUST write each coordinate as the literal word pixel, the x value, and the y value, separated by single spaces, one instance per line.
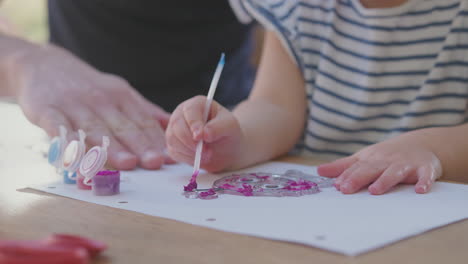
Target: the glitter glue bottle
pixel 106 182
pixel 80 182
pixel 103 182
pixel 72 157
pixel 56 150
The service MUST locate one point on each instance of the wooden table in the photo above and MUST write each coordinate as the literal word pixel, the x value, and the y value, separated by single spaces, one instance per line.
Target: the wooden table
pixel 137 238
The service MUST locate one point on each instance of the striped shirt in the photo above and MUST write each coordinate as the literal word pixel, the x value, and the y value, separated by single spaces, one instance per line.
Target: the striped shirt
pixel 371 74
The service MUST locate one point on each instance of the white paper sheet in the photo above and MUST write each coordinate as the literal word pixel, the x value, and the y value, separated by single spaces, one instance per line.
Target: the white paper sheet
pixel 347 224
pixel 351 225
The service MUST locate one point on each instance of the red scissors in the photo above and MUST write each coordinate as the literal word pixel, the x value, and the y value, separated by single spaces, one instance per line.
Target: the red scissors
pixel 55 249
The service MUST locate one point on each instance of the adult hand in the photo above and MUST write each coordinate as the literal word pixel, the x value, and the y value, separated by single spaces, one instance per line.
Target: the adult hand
pixel 55 88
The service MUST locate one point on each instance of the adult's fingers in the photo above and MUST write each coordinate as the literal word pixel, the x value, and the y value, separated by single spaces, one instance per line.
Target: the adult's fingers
pixel 130 135
pixel 118 156
pixel 152 110
pixel 51 119
pixel 393 175
pixel 158 113
pixel 153 157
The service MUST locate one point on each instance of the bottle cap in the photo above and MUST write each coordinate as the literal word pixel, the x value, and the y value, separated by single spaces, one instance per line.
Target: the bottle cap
pixel 57 147
pixel 94 160
pixel 74 153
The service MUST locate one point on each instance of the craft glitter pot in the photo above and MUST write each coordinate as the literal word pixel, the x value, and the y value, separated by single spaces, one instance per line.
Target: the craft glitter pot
pixel 80 182
pixel 69 178
pixel 72 157
pixel 106 183
pixel 57 148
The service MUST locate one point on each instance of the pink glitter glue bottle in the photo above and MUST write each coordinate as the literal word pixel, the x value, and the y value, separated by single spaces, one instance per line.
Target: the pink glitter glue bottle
pixel 103 182
pixel 80 182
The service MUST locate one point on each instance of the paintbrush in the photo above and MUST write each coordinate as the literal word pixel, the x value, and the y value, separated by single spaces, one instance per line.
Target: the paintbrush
pixel 209 98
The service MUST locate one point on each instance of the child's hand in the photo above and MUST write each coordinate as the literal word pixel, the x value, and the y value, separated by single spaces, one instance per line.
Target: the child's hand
pixel 221 134
pixel 400 160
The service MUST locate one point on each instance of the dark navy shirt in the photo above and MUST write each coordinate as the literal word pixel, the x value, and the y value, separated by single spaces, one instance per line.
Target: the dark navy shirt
pixel 167 50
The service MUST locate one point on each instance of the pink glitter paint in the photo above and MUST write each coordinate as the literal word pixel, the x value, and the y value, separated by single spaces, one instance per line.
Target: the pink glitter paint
pixel 193 183
pixel 107 172
pixel 246 190
pixel 210 194
pixel 300 185
pixel 227 186
pixel 291 183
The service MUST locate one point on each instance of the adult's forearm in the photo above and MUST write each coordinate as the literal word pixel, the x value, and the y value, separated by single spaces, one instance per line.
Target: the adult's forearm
pixel 11 49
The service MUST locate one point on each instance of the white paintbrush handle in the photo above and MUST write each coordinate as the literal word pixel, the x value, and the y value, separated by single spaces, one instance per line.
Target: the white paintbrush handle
pixel 206 112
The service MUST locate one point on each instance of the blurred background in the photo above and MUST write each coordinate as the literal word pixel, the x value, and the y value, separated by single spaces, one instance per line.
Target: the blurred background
pixel 26 18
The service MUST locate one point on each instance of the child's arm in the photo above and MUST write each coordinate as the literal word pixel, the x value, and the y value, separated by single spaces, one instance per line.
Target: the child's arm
pixel 418 157
pixel 273 117
pixel 266 125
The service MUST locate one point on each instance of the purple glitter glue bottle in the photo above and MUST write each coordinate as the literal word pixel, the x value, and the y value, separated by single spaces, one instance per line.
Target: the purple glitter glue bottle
pixel 92 166
pixel 106 183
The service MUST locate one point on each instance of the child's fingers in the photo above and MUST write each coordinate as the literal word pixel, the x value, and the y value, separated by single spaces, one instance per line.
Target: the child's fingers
pixel 189 158
pixel 336 168
pixel 176 149
pixel 393 175
pixel 178 153
pixel 193 114
pixel 223 124
pixel 427 175
pixel 181 130
pixel 360 177
pixel 340 179
pixel 179 139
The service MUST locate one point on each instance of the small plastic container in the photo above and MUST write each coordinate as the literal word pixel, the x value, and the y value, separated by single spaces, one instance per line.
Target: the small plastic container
pixel 69 178
pixel 80 182
pixel 57 148
pixel 72 156
pixel 106 183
